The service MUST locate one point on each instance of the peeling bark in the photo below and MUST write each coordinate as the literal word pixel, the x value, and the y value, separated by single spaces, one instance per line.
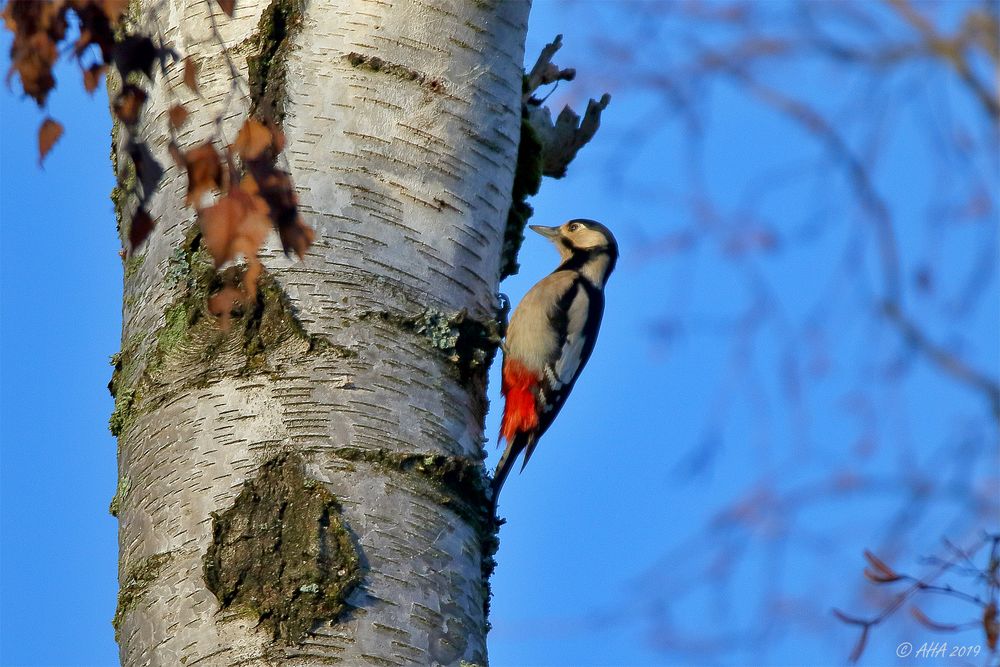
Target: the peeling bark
pixel 354 389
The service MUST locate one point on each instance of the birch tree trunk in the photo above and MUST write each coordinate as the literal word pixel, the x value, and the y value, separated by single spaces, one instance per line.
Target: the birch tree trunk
pixel 307 487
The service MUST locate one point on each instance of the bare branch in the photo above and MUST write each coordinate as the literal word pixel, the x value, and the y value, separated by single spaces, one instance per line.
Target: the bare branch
pixel 951 51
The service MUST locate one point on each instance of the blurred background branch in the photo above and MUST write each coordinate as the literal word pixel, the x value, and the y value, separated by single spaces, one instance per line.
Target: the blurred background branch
pixel 819 182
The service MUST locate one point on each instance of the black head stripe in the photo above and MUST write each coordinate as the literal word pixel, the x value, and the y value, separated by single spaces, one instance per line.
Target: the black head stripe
pixel 579 258
pixel 576 261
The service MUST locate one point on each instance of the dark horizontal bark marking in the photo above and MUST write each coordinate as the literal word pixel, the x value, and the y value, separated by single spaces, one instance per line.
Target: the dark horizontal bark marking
pixel 376 64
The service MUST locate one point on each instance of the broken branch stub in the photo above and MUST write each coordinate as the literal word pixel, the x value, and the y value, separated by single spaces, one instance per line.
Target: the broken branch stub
pixel 561 140
pixel 545 72
pixel 545 148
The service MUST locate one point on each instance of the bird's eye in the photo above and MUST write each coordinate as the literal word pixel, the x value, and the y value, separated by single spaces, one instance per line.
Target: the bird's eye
pixel 573 227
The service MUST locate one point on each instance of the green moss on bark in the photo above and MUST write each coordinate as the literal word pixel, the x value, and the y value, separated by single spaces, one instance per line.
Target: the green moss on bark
pixel 282 552
pixel 125 187
pixel 124 484
pixel 191 349
pixel 376 64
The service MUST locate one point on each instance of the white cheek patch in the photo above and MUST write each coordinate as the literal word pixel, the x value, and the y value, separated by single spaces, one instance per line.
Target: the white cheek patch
pixel 588 238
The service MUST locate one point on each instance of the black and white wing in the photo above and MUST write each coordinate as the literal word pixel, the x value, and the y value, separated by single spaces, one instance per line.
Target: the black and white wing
pixel 576 318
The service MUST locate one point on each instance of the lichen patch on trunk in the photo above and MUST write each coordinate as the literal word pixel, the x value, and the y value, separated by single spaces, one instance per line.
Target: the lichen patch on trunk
pixel 138 577
pixel 468 343
pixel 459 482
pixel 282 552
pixel 124 485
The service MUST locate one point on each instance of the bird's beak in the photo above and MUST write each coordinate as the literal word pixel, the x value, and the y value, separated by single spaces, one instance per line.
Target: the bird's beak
pixel 551 233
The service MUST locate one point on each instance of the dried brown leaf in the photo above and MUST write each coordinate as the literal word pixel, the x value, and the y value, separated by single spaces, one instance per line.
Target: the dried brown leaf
pixel 135 53
pixel 138 231
pixel 128 104
pixel 191 74
pixel 236 224
pixel 48 135
pixel 32 57
pixel 218 227
pixel 98 20
pixel 114 9
pixel 277 138
pixel 96 29
pixel 178 115
pixel 877 578
pixel 253 139
pixel 882 573
pixel 279 193
pixel 297 236
pixel 177 155
pixel 925 621
pixel 991 626
pixel 249 184
pixel 37 28
pixel 276 188
pixel 148 171
pixel 23 17
pixel 254 269
pixel 228 6
pixel 204 169
pixel 92 76
pixel 225 304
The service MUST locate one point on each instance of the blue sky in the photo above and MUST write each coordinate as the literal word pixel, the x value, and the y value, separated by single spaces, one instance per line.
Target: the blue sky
pixel 636 536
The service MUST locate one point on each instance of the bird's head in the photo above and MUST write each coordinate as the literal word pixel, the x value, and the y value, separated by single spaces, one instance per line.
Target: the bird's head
pixel 575 236
pixel 581 243
pixel 579 235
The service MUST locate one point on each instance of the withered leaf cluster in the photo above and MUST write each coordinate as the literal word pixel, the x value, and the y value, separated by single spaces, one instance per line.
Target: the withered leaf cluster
pixel 239 193
pixel 238 222
pixel 879 572
pixel 39 28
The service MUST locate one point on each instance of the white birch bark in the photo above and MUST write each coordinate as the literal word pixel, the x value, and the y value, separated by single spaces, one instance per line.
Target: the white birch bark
pixel 404 168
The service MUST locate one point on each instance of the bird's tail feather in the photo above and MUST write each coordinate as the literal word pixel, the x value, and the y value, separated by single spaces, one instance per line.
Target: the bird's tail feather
pixel 528 451
pixel 506 464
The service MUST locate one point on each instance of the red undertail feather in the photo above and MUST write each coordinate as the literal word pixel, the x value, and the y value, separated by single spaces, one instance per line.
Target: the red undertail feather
pixel 520 415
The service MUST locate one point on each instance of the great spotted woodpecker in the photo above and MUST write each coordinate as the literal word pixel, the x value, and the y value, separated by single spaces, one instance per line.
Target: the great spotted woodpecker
pixel 550 337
